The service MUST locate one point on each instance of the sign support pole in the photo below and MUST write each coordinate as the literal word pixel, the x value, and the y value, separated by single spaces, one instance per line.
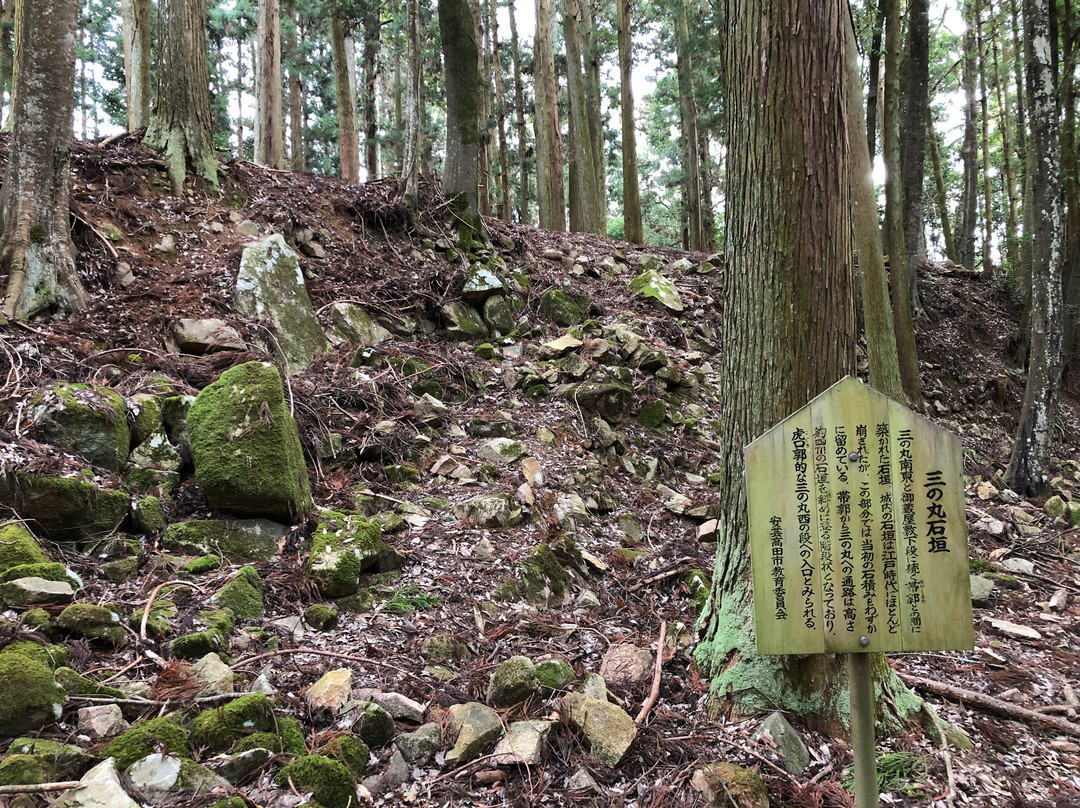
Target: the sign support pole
pixel 861 687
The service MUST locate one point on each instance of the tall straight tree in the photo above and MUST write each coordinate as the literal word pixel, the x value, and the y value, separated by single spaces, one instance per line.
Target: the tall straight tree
pixel 789 322
pixel 180 124
pixel 632 230
pixel 462 81
pixel 590 55
pixel 916 102
pixel 969 192
pixel 583 169
pixel 7 55
pixel 138 37
pixel 984 109
pixel 344 94
pixel 270 142
pixel 519 120
pixel 297 160
pixel 413 88
pixel 35 249
pixel 1028 471
pixel 695 228
pixel 370 73
pixel 549 158
pixel 500 115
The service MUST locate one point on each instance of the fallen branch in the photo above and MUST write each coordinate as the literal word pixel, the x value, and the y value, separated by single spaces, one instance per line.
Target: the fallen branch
pixel 950 790
pixel 989 704
pixel 654 693
pixel 680 567
pixel 150 602
pixel 333 654
pixel 35 788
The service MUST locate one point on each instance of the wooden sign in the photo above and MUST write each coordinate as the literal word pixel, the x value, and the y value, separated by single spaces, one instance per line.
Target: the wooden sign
pixel 858 535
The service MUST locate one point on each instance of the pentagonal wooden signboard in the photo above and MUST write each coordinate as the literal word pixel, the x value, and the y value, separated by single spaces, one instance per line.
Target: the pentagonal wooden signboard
pixel 858 535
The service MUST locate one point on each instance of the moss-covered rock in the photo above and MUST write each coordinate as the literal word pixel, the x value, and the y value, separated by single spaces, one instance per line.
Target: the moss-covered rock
pixel 651 285
pixel 554 674
pixel 612 401
pixel 564 309
pixel 513 682
pixel 238 540
pixel 652 414
pixel 148 516
pixel 373 724
pixel 89 421
pixel 443 648
pixel 121 570
pixel 246 447
pixel 462 321
pixel 38 620
pixel 18 547
pixel 145 737
pixel 721 783
pixel 48 570
pixel 215 637
pixel 40 698
pixel 243 594
pixel 345 545
pixel 291 733
pixel 63 761
pixel 21 770
pixel 543 579
pixel 320 617
pixel 203 565
pixel 400 475
pixel 352 324
pixel 74 683
pixel 330 781
pixel 146 416
pixel 66 509
pixel 93 622
pixel 51 656
pixel 218 728
pixel 351 751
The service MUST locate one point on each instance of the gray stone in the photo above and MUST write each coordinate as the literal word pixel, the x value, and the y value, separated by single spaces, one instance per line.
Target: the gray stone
pixel 789 747
pixel 626 666
pixel 248 228
pixel 88 421
pixel 1023 566
pixel 312 249
pixel 331 691
pixel 418 748
pixel 481 284
pixel 524 743
pixel 607 729
pixel 402 708
pixel 22 593
pixel 490 511
pixel 1055 506
pixel 559 346
pixel 374 725
pixel 498 314
pixel 594 687
pixel 396 773
pixel 462 321
pixel 214 675
pixel 477 725
pixel 237 539
pixel 609 400
pixel 157 453
pixel 271 286
pixel 102 721
pixel 158 774
pixel 501 451
pixel 652 285
pixel 203 336
pixel 581 780
pixel 235 768
pixel 98 788
pixel 352 324
pixel 513 682
pixel 981 590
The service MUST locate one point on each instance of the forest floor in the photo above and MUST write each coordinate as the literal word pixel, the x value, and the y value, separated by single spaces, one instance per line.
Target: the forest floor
pixel 973 388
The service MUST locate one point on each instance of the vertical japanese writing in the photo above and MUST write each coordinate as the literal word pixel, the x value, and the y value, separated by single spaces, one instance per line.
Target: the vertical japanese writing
pixel 776 541
pixel 869 574
pixel 889 573
pixel 915 596
pixel 840 438
pixel 935 512
pixel 803 517
pixel 824 508
pixel 860 449
pixel 847 558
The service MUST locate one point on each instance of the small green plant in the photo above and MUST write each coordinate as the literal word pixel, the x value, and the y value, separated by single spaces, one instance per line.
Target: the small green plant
pixel 409 599
pixel 979 566
pixel 902 772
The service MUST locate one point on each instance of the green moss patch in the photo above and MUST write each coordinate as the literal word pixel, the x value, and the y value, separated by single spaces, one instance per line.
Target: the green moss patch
pixel 330 781
pixel 215 637
pixel 145 737
pixel 93 622
pixel 67 509
pixel 219 728
pixel 40 698
pixel 89 421
pixel 243 594
pixel 74 683
pixel 238 540
pixel 18 547
pixel 345 545
pixel 51 656
pixel 351 751
pixel 48 570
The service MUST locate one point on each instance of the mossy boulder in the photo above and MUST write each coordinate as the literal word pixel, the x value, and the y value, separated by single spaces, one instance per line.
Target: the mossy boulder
pixel 320 617
pixel 148 516
pixel 203 564
pixel 565 309
pixel 271 286
pixel 36 760
pixel 652 414
pixel 351 751
pixel 146 416
pixel 49 570
pixel 237 540
pixel 74 683
pixel 246 447
pixel 653 286
pixel 25 592
pixel 40 699
pixel 443 648
pixel 243 594
pixel 145 737
pixel 498 313
pixel 554 674
pixel 93 622
pixel 218 728
pixel 462 321
pixel 121 570
pixel 480 284
pixel 215 637
pixel 345 545
pixel 543 579
pixel 51 656
pixel 330 782
pixel 513 682
pixel 21 770
pixel 373 724
pixel 352 324
pixel 86 420
pixel 722 783
pixel 66 509
pixel 612 401
pixel 19 547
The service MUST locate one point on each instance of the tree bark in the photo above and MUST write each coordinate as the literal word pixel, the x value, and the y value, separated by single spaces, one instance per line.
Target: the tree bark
pixel 591 59
pixel 1006 128
pixel 874 80
pixel 788 320
pixel 549 159
pixel 460 58
pixel 137 34
pixel 913 148
pixel 903 321
pixel 181 125
pixel 585 188
pixel 505 212
pixel 941 195
pixel 297 160
pixel 483 68
pixel 7 54
pixel 413 88
pixel 372 43
pixel 344 93
pixel 969 194
pixel 524 215
pixel 984 109
pixel 36 250
pixel 632 230
pixel 866 233
pixel 688 116
pixel 1028 471
pixel 270 145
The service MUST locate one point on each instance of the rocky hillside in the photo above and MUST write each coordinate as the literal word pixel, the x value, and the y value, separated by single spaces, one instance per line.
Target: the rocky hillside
pixel 314 507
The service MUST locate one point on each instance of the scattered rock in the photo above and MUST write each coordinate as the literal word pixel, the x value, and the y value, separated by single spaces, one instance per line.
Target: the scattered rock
pixel 981 590
pixel 238 540
pixel 652 285
pixel 513 682
pixel 1015 630
pixel 722 783
pixel 401 708
pixel 501 451
pixel 98 788
pixel 626 666
pixel 86 420
pixel 22 593
pixel 352 324
pixel 462 321
pixel 524 743
pixel 214 675
pixel 476 725
pixel 40 698
pixel 418 748
pixel 206 336
pixel 787 745
pixel 102 721
pixel 607 729
pixel 331 691
pixel 492 511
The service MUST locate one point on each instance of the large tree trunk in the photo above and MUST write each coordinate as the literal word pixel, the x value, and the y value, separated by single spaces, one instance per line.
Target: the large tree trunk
pixel 239 98
pixel 345 94
pixel 788 321
pixel 270 144
pixel 688 116
pixel 519 120
pixel 500 113
pixel 411 163
pixel 483 67
pixel 7 55
pixel 591 61
pixel 36 250
pixel 181 125
pixel 969 194
pixel 460 57
pixel 1006 129
pixel 877 312
pixel 874 81
pixel 138 35
pixel 549 158
pixel 1028 471
pixel 903 320
pixel 984 109
pixel 913 148
pixel 941 194
pixel 372 41
pixel 632 230
pixel 297 161
pixel 583 172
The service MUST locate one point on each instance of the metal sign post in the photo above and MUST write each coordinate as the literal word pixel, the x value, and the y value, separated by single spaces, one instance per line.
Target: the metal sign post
pixel 858 542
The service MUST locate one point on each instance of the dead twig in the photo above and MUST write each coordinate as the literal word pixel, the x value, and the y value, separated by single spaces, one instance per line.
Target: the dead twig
pixel 654 693
pixel 153 595
pixel 332 654
pixel 37 788
pixel 950 793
